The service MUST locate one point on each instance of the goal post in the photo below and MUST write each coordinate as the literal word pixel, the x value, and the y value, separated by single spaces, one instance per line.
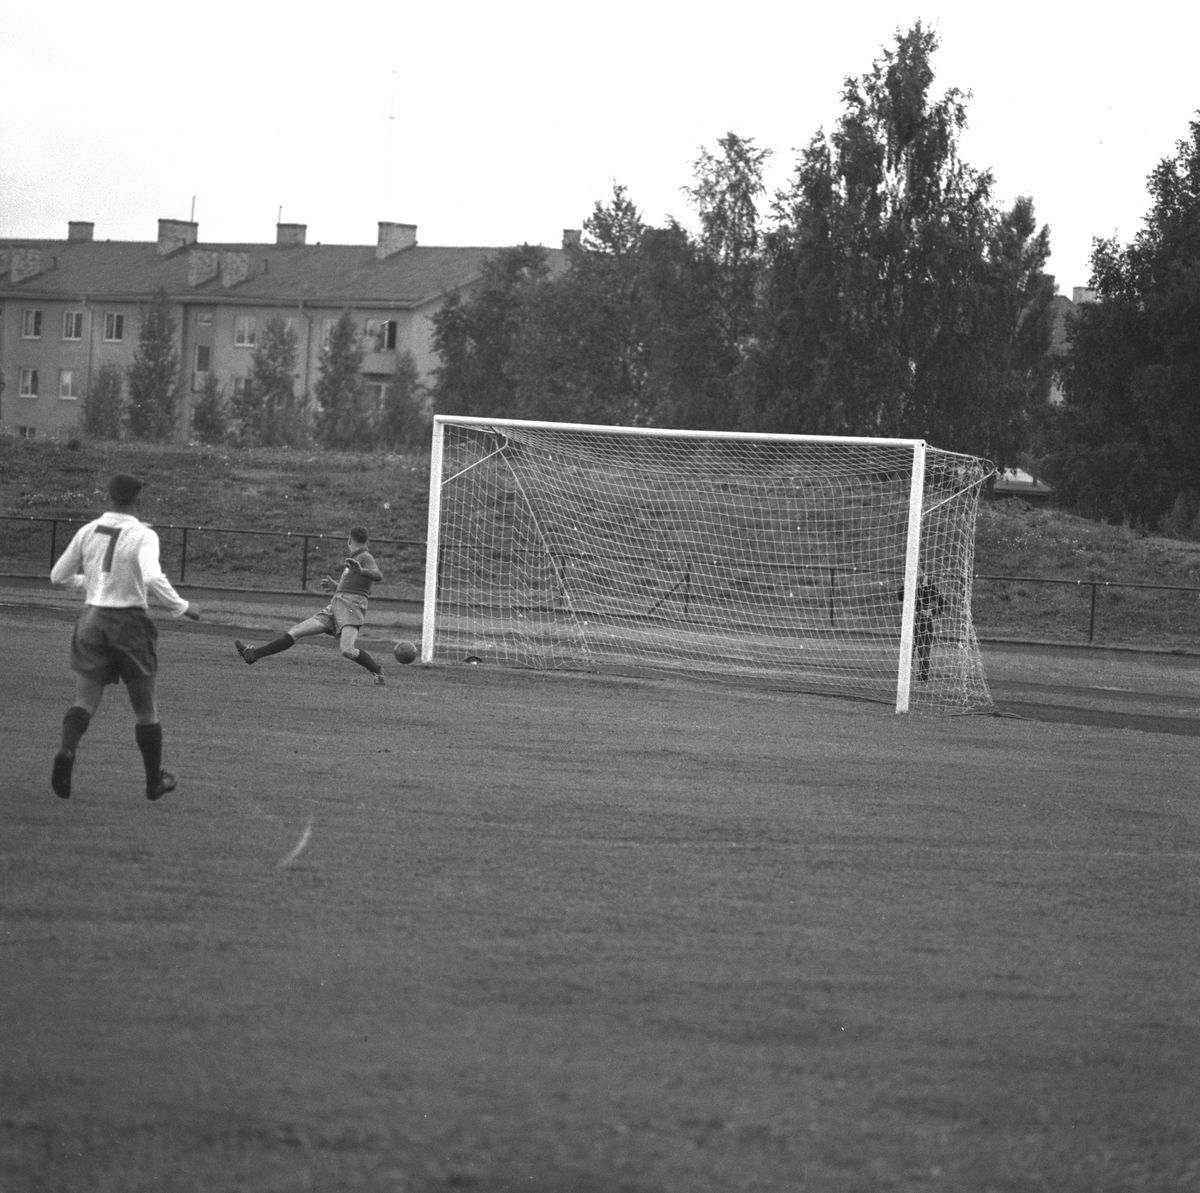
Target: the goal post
pixel 811 563
pixel 912 564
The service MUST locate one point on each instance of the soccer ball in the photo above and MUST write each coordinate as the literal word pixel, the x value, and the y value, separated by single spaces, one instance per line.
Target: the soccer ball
pixel 404 652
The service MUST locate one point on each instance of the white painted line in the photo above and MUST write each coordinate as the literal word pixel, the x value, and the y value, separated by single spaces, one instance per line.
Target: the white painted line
pixel 291 857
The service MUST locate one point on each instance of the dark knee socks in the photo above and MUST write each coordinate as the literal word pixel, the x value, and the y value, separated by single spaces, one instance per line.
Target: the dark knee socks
pixel 149 740
pixel 364 660
pixel 75 725
pixel 274 646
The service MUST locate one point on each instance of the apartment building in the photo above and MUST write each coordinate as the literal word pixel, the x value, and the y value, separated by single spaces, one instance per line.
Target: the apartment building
pixel 67 307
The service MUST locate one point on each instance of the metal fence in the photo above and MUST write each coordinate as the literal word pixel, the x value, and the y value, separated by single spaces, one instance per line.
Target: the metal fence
pixel 186 550
pixel 1096 586
pixel 200 549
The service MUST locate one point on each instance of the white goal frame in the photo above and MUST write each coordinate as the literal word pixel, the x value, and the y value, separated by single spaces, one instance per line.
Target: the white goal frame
pixel 914 451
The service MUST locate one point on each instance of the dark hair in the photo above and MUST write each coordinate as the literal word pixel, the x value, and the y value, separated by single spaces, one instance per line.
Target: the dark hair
pixel 123 488
pixel 359 534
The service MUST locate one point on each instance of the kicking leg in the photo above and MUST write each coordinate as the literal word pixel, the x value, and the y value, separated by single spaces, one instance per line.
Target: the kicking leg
pixel 251 654
pixel 88 694
pixel 304 629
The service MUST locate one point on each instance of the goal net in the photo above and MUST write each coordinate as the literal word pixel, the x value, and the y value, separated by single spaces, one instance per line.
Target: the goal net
pixel 818 564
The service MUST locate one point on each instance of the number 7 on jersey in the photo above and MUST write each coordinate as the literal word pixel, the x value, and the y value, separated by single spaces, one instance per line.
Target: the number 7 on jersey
pixel 113 532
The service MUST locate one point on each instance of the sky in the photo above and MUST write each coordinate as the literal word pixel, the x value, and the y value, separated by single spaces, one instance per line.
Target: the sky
pixel 504 123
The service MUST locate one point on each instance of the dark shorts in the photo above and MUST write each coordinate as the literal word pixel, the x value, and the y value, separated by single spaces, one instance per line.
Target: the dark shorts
pixel 112 644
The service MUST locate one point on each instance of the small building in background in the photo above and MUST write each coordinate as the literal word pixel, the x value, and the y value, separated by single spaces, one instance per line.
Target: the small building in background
pixel 1062 311
pixel 1016 482
pixel 67 307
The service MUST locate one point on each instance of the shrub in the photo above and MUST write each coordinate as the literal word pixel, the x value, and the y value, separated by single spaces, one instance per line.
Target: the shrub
pixel 403 419
pixel 210 413
pixel 102 406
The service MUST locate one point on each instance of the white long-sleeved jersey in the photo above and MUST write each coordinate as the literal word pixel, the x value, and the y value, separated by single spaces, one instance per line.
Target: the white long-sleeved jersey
pixel 115 560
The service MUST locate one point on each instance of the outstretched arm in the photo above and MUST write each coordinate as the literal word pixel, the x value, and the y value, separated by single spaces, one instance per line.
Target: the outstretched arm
pixel 365 562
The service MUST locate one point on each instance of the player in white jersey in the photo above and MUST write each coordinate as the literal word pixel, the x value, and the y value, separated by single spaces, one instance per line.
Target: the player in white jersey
pixel 115 561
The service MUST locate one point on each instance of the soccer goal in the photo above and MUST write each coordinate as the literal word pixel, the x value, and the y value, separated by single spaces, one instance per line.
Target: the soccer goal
pixel 812 563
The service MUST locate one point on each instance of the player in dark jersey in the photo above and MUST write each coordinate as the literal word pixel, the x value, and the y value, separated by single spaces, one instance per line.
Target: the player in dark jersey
pixel 115 560
pixel 342 617
pixel 927 608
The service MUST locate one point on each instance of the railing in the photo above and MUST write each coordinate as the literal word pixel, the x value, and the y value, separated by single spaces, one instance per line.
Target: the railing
pixel 413 565
pixel 1094 585
pixel 168 530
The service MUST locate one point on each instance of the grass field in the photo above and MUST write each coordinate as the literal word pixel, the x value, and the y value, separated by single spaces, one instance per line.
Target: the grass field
pixel 587 933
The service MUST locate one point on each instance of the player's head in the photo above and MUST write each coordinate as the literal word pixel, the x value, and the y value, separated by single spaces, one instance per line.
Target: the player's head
pixel 123 489
pixel 358 534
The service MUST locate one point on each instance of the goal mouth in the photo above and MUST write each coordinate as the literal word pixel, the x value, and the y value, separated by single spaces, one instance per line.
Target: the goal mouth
pixel 828 564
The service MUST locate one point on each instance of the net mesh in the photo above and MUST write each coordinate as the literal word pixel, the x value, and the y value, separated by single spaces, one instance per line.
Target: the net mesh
pixel 753 560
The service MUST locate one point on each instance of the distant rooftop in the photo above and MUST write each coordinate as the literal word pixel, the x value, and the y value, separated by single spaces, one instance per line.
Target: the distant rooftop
pixel 394 271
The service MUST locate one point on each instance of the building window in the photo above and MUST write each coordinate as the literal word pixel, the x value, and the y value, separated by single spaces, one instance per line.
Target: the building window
pixel 114 327
pixel 245 333
pixel 29 383
pixel 72 325
pixel 31 325
pixel 204 318
pixel 68 383
pixel 203 363
pixel 240 385
pixel 381 335
pixel 26 432
pixel 377 391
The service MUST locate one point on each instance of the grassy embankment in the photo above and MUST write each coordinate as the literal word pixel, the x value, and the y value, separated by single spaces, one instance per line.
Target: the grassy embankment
pixel 324 493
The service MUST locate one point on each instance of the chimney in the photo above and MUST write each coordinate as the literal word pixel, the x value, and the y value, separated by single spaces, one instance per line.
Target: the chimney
pixel 80 229
pixel 174 235
pixel 288 235
pixel 393 238
pixel 235 267
pixel 203 266
pixel 572 238
pixel 26 263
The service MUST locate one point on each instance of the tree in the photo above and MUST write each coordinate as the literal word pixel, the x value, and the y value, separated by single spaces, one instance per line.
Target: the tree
pixel 475 337
pixel 343 408
pixel 1009 402
pixel 402 420
pixel 631 333
pixel 890 285
pixel 1126 441
pixel 102 406
pixel 153 377
pixel 726 194
pixel 690 356
pixel 210 413
pixel 580 353
pixel 269 413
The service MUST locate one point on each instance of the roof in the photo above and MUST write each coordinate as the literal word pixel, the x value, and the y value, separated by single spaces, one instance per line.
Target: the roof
pixel 334 275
